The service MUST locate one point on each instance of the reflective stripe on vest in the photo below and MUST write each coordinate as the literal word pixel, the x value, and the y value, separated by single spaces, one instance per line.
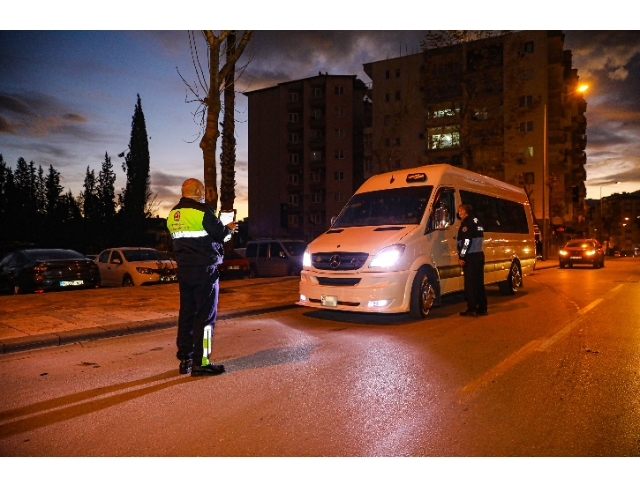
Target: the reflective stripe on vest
pixel 193 234
pixel 186 223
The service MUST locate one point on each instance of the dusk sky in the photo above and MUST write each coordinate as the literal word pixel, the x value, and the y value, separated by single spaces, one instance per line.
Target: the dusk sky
pixel 67 97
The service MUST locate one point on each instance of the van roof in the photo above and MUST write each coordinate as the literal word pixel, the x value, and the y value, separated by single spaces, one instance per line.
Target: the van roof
pixel 440 174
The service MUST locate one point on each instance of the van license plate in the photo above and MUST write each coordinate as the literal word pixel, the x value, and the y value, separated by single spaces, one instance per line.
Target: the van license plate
pixel 329 300
pixel 72 283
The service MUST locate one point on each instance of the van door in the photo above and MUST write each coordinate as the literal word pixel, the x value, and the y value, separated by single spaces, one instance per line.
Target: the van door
pixel 441 237
pixel 278 260
pixel 262 260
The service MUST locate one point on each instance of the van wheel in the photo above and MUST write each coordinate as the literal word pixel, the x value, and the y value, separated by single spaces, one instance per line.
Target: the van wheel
pixel 423 295
pixel 127 281
pixel 513 281
pixel 293 271
pixel 252 272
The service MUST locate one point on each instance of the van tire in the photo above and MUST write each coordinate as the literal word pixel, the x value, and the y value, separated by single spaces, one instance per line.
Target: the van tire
pixel 423 294
pixel 252 272
pixel 293 271
pixel 513 281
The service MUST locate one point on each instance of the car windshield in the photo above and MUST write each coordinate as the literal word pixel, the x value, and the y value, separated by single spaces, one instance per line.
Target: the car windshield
pixel 139 255
pixel 52 254
pixel 582 245
pixel 295 248
pixel 400 206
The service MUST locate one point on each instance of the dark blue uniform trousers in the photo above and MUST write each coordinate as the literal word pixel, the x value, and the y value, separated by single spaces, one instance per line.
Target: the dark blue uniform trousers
pixel 474 292
pixel 199 288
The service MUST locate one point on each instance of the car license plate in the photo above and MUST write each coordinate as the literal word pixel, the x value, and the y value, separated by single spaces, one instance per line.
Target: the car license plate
pixel 234 267
pixel 168 279
pixel 575 257
pixel 329 300
pixel 72 283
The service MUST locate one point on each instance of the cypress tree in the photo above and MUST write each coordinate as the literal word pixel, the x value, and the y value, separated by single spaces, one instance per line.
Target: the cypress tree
pixel 89 196
pixel 53 190
pixel 136 167
pixel 105 190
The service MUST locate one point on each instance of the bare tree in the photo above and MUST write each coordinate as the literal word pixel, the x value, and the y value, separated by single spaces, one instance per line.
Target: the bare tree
pixel 211 83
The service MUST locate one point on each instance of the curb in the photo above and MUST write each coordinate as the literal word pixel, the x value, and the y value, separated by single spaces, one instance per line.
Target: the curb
pixel 20 344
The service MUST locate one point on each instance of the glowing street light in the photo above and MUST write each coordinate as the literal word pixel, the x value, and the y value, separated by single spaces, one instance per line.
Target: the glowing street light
pixel 582 88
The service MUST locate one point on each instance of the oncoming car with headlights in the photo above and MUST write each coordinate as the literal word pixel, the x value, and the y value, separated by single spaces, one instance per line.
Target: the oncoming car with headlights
pixel 135 266
pixel 392 248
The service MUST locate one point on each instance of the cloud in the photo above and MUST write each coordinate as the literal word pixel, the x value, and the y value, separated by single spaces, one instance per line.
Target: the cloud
pixel 162 179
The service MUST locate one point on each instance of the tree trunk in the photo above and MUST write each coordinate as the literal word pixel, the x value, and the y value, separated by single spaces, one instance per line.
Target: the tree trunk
pixel 228 156
pixel 209 140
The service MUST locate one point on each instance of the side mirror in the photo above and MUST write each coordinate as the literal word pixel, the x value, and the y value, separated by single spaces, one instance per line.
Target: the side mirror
pixel 116 261
pixel 333 220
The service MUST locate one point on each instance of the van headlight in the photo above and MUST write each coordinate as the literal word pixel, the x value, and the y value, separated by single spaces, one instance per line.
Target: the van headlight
pixel 306 259
pixel 388 256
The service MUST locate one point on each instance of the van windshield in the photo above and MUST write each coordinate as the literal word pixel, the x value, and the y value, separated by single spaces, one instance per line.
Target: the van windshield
pixel 400 206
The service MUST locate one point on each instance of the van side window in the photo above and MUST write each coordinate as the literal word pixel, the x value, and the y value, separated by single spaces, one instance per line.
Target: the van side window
pixel 497 214
pixel 263 250
pixel 278 251
pixel 252 250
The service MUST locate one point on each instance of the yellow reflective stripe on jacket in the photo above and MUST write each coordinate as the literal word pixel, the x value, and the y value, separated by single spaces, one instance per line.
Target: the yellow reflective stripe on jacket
pixel 186 222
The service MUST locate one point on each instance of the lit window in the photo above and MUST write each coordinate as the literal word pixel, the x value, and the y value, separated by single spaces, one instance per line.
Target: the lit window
pixel 442 137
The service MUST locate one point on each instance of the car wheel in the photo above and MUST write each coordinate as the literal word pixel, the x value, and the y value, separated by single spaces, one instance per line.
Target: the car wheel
pixel 513 281
pixel 127 281
pixel 423 295
pixel 562 265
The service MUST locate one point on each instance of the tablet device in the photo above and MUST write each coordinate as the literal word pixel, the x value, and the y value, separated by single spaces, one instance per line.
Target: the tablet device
pixel 227 216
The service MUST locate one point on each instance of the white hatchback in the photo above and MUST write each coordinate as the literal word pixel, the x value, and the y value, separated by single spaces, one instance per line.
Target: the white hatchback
pixel 135 266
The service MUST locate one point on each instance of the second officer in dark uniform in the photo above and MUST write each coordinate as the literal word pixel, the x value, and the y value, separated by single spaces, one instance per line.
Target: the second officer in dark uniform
pixel 471 258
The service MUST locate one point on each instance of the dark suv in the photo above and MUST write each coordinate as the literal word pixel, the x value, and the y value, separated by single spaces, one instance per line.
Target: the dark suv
pixel 582 251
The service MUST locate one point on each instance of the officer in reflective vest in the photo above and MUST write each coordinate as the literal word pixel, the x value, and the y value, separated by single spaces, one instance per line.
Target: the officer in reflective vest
pixel 198 237
pixel 471 258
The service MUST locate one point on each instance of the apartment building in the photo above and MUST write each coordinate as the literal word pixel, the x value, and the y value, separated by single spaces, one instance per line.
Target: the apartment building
pixel 506 106
pixel 615 221
pixel 305 154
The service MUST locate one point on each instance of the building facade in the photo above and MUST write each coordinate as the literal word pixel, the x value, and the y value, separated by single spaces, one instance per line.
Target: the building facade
pixel 615 221
pixel 305 154
pixel 507 107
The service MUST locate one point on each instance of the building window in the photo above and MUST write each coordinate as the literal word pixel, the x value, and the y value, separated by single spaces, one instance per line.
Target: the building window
pixel 293 199
pixel 316 155
pixel 368 140
pixel 294 179
pixel 315 176
pixel 387 119
pixel 339 133
pixel 293 221
pixel 316 197
pixel 387 142
pixel 398 141
pixel 443 137
pixel 528 47
pixel 526 126
pixel 397 95
pixel 338 197
pixel 367 164
pixel 387 74
pixel 338 154
pixel 294 138
pixel 294 159
pixel 315 218
pixel 526 74
pixel 398 163
pixel 338 111
pixel 441 112
pixel 316 134
pixel 317 114
pixel 387 97
pixel 528 178
pixel 526 101
pixel 480 113
pixel 526 152
pixel 293 96
pixel 316 93
pixel 338 90
pixel 338 175
pixel 294 117
pixel 398 73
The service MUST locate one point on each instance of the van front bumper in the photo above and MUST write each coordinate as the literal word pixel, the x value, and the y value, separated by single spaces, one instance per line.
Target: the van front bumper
pixel 371 292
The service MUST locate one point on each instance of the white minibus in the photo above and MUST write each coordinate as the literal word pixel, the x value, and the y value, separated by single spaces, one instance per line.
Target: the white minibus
pixel 393 248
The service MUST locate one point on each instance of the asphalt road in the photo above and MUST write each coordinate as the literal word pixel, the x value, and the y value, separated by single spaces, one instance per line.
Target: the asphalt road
pixel 553 371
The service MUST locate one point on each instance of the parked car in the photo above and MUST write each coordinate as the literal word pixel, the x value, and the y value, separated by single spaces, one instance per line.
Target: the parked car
pixel 39 270
pixel 275 257
pixel 135 266
pixel 582 251
pixel 234 266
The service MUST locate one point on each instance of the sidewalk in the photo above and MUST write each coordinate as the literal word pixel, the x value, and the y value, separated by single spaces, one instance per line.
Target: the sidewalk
pixel 31 321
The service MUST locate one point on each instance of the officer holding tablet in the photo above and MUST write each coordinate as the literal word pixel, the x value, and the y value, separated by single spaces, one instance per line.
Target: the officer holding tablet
pixel 198 238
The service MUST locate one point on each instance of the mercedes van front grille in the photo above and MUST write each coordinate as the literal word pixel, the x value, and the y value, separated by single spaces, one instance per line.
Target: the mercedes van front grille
pixel 336 281
pixel 339 261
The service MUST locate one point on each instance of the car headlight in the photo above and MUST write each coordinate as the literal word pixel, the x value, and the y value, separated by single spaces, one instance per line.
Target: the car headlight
pixel 563 252
pixel 388 256
pixel 591 252
pixel 144 270
pixel 306 259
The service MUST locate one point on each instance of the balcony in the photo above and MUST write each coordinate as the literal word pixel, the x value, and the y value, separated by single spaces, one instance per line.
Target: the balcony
pixel 318 101
pixel 317 123
pixel 317 162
